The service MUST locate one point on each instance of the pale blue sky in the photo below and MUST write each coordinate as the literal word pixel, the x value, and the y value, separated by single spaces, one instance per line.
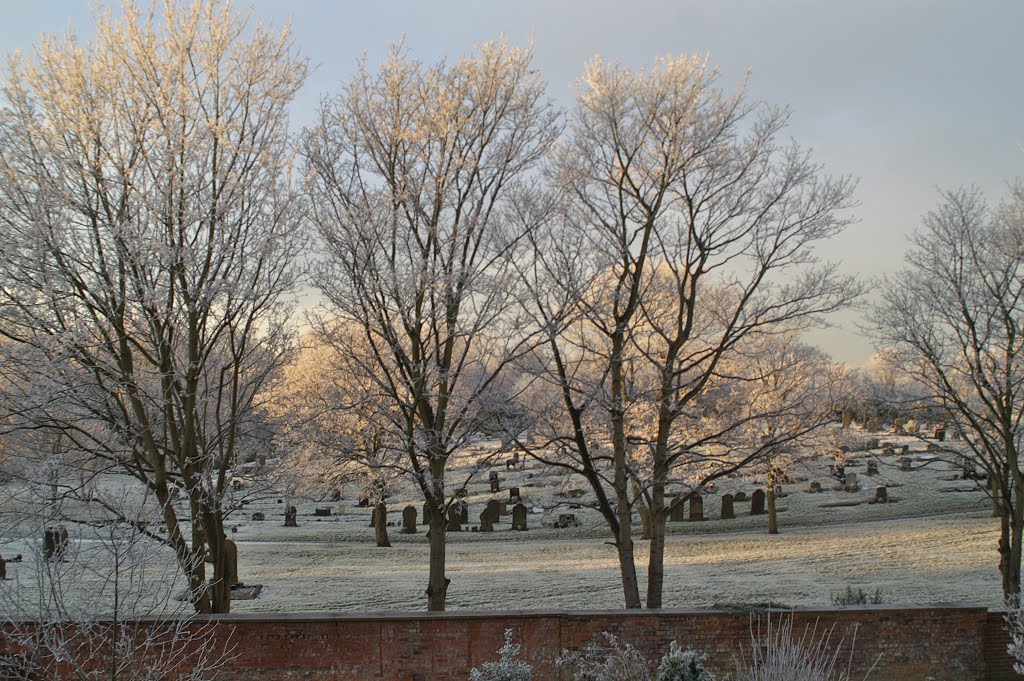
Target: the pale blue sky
pixel 907 95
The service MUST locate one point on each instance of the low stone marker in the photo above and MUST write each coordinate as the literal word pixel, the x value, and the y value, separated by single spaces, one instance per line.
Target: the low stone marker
pixel 851 483
pixel 940 434
pixel 757 503
pixel 495 483
pixel 696 507
pixel 728 513
pixel 409 519
pixel 881 495
pixel 290 515
pixel 815 487
pixel 519 517
pixel 513 495
pixel 872 468
pixel 463 512
pixel 259 516
pixel 566 520
pixel 739 496
pixel 324 512
pixel 905 463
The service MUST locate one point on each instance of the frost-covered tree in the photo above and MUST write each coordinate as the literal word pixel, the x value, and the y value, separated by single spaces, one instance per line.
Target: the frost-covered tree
pixel 408 170
pixel 952 319
pixel 681 230
pixel 150 227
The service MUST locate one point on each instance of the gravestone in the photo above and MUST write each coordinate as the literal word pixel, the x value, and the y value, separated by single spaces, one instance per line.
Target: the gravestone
pixel 757 502
pixel 519 517
pixel 409 519
pixel 290 514
pixel 905 449
pixel 940 434
pixel 888 451
pixel 739 496
pixel 463 512
pixel 872 468
pixel 933 447
pixel 696 507
pixel 454 518
pixel 364 502
pixel 905 463
pixel 55 541
pixel 728 513
pixel 322 512
pixel 566 520
pixel 231 562
pixel 489 516
pixel 851 483
pixel 873 443
pixel 815 487
pixel 335 495
pixel 676 512
pixel 426 514
pixel 881 495
pixel 513 495
pixel 495 485
pixel 259 516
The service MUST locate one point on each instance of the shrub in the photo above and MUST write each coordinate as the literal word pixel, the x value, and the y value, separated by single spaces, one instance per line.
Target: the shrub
pixel 1015 626
pixel 780 657
pixel 507 668
pixel 858 597
pixel 611 662
pixel 682 665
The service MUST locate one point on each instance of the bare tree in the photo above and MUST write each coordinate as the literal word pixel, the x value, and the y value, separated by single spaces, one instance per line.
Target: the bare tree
pixel 682 232
pixel 408 170
pixel 106 605
pixel 150 227
pixel 952 321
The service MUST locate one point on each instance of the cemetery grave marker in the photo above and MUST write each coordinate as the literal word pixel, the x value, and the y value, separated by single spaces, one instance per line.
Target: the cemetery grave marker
pixel 728 513
pixel 757 503
pixel 519 517
pixel 409 519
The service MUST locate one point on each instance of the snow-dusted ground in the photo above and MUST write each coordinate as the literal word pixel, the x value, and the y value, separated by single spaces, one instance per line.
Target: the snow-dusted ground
pixel 936 543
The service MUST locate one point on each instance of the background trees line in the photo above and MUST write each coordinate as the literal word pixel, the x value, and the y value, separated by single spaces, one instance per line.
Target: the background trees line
pixel 617 289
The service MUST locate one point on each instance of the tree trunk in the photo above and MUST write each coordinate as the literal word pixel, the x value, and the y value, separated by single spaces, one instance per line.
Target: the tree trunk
pixel 769 497
pixel 656 560
pixel 380 524
pixel 437 583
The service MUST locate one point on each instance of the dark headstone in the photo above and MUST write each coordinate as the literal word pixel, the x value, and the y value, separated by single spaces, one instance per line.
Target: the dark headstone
pixel 815 487
pixel 463 512
pixel 335 495
pixel 55 541
pixel 258 516
pixel 905 463
pixel 290 515
pixel 872 468
pixel 940 434
pixel 696 507
pixel 881 495
pixel 364 502
pixel 727 510
pixel 933 447
pixel 492 475
pixel 454 518
pixel 495 485
pixel 322 512
pixel 519 517
pixel 850 485
pixel 513 495
pixel 676 512
pixel 566 520
pixel 489 516
pixel 740 496
pixel 757 502
pixel 426 514
pixel 409 519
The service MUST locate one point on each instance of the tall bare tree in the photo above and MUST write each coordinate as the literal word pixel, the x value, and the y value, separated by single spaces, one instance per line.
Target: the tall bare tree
pixel 408 170
pixel 683 231
pixel 951 321
pixel 150 228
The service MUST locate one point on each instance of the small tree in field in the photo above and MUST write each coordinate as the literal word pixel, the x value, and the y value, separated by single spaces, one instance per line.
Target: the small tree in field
pixel 150 229
pixel 952 322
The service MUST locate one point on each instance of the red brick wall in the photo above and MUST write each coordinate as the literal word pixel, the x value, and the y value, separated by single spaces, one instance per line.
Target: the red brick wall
pixel 905 644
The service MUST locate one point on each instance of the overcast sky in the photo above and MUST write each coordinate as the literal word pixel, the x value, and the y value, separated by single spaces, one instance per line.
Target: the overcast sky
pixel 907 95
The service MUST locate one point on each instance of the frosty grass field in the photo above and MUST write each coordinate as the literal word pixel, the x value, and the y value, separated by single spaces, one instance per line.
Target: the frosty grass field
pixel 935 544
